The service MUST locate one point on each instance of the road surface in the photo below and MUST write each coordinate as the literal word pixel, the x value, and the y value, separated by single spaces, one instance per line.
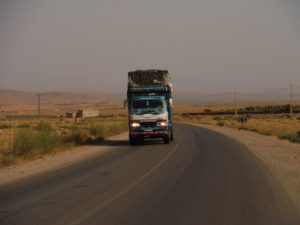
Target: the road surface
pixel 202 177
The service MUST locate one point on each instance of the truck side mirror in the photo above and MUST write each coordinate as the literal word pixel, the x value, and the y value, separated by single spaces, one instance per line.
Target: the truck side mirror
pixel 125 104
pixel 171 102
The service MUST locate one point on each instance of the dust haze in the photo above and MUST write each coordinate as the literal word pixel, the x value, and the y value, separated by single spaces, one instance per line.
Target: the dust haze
pixel 208 46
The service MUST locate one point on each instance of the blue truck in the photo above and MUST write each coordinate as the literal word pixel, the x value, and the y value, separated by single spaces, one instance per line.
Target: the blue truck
pixel 149 102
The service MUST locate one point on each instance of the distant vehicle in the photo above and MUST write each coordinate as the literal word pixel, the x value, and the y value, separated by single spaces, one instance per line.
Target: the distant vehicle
pixel 149 101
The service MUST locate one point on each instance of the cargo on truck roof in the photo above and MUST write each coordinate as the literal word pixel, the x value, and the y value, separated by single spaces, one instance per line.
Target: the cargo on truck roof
pixel 149 77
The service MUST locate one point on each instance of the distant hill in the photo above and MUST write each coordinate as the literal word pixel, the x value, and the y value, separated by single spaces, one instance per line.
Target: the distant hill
pixel 228 98
pixel 14 100
pixel 27 97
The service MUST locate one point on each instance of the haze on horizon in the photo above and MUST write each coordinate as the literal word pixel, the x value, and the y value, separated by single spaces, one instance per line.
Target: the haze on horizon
pixel 90 45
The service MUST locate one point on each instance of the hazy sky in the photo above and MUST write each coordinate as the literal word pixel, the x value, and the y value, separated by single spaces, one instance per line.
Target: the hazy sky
pixel 207 45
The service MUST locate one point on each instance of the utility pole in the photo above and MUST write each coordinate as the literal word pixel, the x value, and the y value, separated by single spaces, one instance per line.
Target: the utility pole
pixel 235 105
pixel 39 105
pixel 10 134
pixel 291 100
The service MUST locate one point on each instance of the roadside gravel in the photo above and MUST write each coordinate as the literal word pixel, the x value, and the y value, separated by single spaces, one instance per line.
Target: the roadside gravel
pixel 53 162
pixel 280 156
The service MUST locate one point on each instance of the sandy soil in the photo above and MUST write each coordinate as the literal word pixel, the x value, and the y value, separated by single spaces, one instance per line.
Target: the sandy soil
pixel 53 162
pixel 280 156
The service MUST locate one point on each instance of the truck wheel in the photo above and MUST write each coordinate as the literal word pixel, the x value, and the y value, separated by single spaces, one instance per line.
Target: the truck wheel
pixel 167 139
pixel 141 139
pixel 132 141
pixel 172 135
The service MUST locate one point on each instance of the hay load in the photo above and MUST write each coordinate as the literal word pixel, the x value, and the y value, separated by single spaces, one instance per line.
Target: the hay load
pixel 149 77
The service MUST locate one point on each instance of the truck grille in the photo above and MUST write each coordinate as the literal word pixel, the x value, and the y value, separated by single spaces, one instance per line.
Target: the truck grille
pixel 148 124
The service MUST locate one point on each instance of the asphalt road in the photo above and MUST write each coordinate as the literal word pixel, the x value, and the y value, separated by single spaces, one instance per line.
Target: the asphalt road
pixel 201 178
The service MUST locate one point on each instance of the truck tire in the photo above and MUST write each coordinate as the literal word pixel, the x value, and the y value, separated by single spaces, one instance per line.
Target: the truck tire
pixel 172 135
pixel 167 139
pixel 132 141
pixel 141 140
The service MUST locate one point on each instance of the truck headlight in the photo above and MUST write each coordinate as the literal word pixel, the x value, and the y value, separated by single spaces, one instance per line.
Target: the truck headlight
pixel 135 124
pixel 162 123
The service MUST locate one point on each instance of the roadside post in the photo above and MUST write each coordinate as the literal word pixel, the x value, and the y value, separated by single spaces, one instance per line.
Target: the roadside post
pixel 242 120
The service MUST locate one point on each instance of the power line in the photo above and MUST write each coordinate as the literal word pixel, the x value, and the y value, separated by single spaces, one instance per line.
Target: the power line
pixel 291 100
pixel 39 105
pixel 264 93
pixel 295 85
pixel 210 95
pixel 235 105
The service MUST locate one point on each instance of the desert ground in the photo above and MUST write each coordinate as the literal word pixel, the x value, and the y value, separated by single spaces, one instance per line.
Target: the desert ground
pixel 25 136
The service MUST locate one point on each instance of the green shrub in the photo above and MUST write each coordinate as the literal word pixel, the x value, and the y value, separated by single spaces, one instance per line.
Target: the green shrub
pixel 253 130
pixel 117 128
pixel 23 126
pixel 107 116
pixel 22 143
pixel 44 138
pixel 5 126
pixel 44 126
pixel 250 109
pixel 101 131
pixel 81 137
pixel 63 132
pixel 45 141
pixel 78 136
pixel 64 127
pixel 6 160
pixel 264 133
pixel 26 142
pixel 98 130
pixel 248 129
pixel 267 108
pixel 207 110
pixel 221 123
pixel 298 133
pixel 291 137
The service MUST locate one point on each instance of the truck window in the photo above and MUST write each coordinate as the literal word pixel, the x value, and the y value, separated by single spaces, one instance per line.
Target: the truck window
pixel 142 104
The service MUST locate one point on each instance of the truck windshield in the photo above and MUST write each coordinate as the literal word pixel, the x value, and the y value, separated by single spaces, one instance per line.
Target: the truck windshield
pixel 148 106
pixel 142 104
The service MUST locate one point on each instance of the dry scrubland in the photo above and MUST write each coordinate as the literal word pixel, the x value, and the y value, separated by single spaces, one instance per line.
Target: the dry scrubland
pixel 23 139
pixel 53 102
pixel 27 139
pixel 31 138
pixel 280 125
pixel 194 108
pixel 276 125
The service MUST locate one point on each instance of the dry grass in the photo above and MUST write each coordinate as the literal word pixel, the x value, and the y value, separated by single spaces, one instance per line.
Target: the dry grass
pixel 280 125
pixel 27 139
pixel 193 108
pixel 276 125
pixel 113 120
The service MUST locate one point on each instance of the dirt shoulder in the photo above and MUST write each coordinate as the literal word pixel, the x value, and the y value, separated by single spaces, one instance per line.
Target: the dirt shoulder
pixel 53 162
pixel 280 156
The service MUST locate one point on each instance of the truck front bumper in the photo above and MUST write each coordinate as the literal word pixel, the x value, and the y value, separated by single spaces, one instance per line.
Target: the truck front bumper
pixel 149 134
